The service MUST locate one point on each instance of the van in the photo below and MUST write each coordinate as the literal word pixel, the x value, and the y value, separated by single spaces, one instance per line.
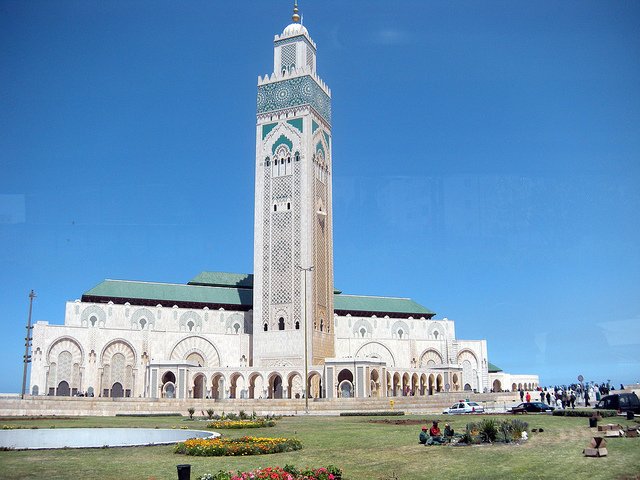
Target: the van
pixel 621 402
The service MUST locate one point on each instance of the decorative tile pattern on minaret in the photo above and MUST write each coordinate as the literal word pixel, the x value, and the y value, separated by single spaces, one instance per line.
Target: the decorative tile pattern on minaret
pixel 293 214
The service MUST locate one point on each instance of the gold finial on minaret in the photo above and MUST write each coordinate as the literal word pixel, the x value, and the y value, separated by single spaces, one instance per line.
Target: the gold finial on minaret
pixel 295 17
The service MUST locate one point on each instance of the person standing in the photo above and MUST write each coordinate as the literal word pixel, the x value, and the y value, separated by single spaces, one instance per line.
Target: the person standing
pixel 528 397
pixel 586 397
pixel 521 395
pixel 548 398
pixel 542 396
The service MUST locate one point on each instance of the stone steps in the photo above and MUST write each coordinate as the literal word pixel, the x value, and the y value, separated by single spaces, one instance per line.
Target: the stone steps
pixel 82 406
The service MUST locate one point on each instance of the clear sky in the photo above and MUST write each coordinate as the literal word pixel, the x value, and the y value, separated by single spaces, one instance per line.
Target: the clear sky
pixel 486 161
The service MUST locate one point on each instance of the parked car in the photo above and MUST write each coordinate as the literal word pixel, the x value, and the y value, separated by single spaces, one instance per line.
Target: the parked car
pixel 622 402
pixel 464 407
pixel 532 407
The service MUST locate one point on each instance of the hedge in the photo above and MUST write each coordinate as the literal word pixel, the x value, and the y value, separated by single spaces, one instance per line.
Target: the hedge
pixel 372 414
pixel 584 413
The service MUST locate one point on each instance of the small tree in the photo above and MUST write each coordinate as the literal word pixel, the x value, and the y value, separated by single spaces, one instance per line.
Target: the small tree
pixel 191 411
pixel 210 413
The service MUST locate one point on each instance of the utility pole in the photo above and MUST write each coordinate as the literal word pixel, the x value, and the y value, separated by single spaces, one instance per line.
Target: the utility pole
pixel 306 356
pixel 27 344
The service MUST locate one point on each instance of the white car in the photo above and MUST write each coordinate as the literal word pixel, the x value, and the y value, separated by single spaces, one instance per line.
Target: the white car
pixel 464 407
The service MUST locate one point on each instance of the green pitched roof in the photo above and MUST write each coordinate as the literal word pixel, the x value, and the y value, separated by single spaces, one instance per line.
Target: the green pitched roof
pixel 223 279
pixel 360 303
pixel 170 293
pixel 234 289
pixel 494 368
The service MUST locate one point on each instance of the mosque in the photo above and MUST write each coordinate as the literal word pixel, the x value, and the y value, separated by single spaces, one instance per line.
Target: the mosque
pixel 283 331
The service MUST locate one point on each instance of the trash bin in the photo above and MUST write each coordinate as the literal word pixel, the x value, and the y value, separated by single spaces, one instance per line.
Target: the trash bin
pixel 184 472
pixel 629 415
pixel 593 422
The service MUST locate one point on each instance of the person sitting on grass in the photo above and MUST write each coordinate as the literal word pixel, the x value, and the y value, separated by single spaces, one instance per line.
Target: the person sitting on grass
pixel 448 431
pixel 423 436
pixel 436 435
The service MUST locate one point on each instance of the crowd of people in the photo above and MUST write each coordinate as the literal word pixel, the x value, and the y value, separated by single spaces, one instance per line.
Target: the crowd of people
pixel 566 396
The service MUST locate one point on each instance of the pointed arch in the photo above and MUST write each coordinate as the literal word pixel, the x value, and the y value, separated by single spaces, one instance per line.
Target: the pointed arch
pixel 197 344
pixel 376 350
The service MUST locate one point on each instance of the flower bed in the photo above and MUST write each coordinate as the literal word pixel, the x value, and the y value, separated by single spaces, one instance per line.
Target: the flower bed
pixel 257 423
pixel 277 473
pixel 216 447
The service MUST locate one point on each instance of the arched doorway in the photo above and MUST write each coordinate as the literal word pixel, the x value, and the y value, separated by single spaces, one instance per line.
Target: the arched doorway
pixel 432 384
pixel 345 383
pixel 169 385
pixel 497 386
pixel 116 390
pixel 467 387
pixel 199 382
pixel 414 384
pixel 255 386
pixel 63 389
pixel 455 380
pixel 375 383
pixel 217 386
pixel 439 383
pixel 315 385
pixel 169 390
pixel 423 384
pixel 396 384
pixel 295 385
pixel 275 386
pixel 236 389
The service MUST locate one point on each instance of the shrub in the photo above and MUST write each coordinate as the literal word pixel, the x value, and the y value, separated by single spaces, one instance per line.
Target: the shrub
pixel 191 411
pixel 258 423
pixel 215 447
pixel 583 413
pixel 289 472
pixel 210 413
pixel 511 430
pixel 232 416
pixel 488 428
pixel 243 415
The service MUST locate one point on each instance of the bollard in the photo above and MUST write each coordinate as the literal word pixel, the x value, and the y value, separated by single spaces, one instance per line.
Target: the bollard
pixel 629 415
pixel 593 422
pixel 184 472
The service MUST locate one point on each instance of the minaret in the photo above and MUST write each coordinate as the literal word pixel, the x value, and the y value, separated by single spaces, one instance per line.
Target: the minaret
pixel 293 214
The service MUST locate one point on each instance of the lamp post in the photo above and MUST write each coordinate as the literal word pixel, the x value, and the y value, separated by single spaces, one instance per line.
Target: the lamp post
pixel 306 356
pixel 27 344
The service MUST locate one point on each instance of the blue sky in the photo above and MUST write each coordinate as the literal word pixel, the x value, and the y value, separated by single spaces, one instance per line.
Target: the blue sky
pixel 486 161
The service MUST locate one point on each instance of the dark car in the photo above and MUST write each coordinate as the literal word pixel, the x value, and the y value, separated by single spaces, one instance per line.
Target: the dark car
pixel 532 407
pixel 621 402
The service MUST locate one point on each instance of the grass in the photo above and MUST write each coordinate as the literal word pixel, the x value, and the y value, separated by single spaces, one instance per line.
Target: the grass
pixel 364 450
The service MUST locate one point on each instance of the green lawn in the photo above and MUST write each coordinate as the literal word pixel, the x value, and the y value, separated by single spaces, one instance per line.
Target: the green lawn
pixel 362 449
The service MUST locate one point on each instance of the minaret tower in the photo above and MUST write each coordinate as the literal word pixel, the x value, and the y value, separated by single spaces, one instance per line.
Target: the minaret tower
pixel 293 214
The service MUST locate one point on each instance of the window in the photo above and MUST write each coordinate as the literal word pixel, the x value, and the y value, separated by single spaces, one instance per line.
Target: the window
pixel 275 208
pixel 93 320
pixel 265 326
pixel 281 323
pixel 297 156
pixel 435 334
pixel 363 331
pixel 143 322
pixel 321 325
pixel 236 327
pixel 190 325
pixel 288 205
pixel 297 325
pixel 400 333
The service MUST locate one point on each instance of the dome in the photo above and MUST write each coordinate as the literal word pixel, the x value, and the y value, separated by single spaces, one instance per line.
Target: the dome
pixel 295 29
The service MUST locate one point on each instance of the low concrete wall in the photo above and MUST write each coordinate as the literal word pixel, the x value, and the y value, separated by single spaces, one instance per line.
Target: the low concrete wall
pixel 83 406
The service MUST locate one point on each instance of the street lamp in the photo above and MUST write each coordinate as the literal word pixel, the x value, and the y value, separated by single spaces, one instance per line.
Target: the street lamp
pixel 27 344
pixel 306 356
